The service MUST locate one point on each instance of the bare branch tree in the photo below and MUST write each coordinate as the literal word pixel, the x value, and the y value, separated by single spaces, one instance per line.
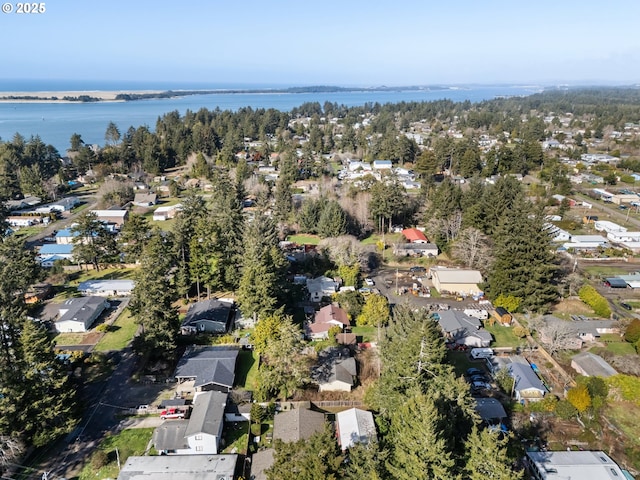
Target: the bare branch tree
pixel 10 449
pixel 473 248
pixel 558 335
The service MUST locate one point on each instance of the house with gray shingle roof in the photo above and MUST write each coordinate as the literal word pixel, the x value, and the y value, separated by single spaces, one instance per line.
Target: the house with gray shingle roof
pixel 201 434
pixel 463 329
pixel 204 368
pixel 167 467
pixel 78 314
pixel 335 370
pixel 211 316
pixel 297 424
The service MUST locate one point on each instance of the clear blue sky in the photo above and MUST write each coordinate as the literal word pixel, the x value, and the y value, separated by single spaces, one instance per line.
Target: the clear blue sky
pixel 346 42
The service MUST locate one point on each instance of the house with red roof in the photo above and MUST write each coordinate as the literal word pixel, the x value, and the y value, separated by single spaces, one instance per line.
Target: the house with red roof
pixel 324 319
pixel 413 235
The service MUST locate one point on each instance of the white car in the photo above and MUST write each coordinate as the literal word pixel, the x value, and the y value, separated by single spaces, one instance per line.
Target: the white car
pixel 369 282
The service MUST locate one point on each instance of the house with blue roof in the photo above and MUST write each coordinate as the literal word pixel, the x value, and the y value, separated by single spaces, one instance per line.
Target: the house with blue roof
pixel 51 252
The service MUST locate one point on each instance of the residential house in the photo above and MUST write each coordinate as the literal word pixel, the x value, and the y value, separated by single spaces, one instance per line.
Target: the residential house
pixel 200 434
pixel 587 465
pixel 325 318
pixel 65 204
pixel 382 165
pixel 415 250
pixel 609 227
pixel 50 252
pixel 204 368
pixel 145 199
pixel 335 370
pixel 23 220
pixel 633 279
pixel 297 424
pixel 161 214
pixel 527 384
pixel 583 330
pixel 116 217
pixel 355 426
pixel 456 281
pixel 321 287
pixel 79 313
pixel 167 467
pixel 261 461
pixel 463 329
pixel 586 242
pixel 107 288
pixel 210 316
pixel 592 365
pixel 413 235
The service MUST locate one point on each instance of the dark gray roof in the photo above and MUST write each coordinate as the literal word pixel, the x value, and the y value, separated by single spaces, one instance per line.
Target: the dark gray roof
pixel 80 309
pixel 490 409
pixel 297 424
pixel 208 365
pixel 207 414
pixel 213 311
pixel 260 461
pixel 335 364
pixel 171 435
pixel 451 321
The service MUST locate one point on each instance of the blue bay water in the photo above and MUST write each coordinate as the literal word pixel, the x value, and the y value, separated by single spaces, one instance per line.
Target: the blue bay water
pixel 56 122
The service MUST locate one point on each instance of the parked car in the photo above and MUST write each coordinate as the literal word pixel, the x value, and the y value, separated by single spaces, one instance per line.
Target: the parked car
pixel 172 413
pixel 369 281
pixel 626 306
pixel 480 386
pixel 474 371
pixel 417 269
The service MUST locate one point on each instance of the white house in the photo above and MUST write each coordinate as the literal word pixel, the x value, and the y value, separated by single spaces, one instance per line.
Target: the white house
pixel 585 242
pixel 107 288
pixel 161 214
pixel 78 314
pixel 168 467
pixel 321 287
pixel 607 226
pixel 355 426
pixel 625 236
pixel 382 165
pixel 527 385
pixel 201 434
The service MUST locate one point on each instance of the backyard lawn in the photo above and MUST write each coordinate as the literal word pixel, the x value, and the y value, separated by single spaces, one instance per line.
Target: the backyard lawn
pixel 503 336
pixel 615 344
pixel 304 239
pixel 103 463
pixel 366 334
pixel 119 334
pixel 247 370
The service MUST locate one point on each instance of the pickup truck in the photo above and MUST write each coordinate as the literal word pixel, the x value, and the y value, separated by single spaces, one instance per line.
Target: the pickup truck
pixel 172 413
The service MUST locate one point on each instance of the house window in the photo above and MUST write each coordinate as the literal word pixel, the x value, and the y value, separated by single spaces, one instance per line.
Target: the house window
pixel 198 437
pixel 199 448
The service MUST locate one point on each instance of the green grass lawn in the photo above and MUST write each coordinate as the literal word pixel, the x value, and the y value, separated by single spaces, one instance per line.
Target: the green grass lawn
pixel 460 362
pixel 119 334
pixel 247 370
pixel 129 442
pixel 366 334
pixel 603 271
pixel 503 336
pixel 303 239
pixel 236 438
pixel 389 238
pixel 75 278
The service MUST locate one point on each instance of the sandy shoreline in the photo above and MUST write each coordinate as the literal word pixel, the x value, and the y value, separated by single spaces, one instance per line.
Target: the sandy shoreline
pixel 45 96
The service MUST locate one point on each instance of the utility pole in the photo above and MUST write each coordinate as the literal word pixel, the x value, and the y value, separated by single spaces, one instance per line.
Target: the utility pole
pixel 118 458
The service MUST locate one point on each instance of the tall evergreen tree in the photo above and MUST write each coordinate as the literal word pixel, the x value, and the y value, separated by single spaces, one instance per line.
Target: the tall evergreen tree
pixel 153 297
pixel 524 263
pixel 263 268
pixel 487 457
